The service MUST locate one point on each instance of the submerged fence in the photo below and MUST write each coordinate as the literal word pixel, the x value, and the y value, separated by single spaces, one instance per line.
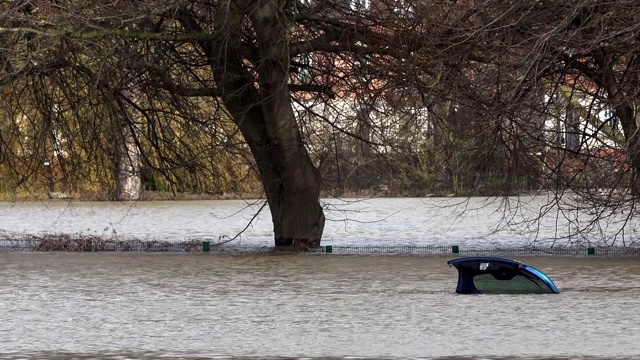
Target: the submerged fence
pixel 96 244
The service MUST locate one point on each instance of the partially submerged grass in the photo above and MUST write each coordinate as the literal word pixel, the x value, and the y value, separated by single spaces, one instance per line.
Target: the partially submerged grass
pixel 82 243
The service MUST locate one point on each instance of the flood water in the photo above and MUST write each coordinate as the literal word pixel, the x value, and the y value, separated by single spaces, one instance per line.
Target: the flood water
pixel 140 305
pixel 479 222
pixel 264 305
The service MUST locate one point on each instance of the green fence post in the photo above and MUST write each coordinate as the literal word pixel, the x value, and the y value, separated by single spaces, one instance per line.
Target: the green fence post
pixel 205 246
pixel 328 249
pixel 591 251
pixel 455 249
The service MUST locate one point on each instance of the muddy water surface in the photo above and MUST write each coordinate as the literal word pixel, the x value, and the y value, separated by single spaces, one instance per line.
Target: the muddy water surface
pixel 106 305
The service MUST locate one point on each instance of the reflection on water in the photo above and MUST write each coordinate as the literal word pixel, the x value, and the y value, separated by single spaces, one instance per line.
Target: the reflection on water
pixel 60 305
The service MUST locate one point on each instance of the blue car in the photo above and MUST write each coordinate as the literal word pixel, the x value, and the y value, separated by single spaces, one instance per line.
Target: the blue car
pixel 492 275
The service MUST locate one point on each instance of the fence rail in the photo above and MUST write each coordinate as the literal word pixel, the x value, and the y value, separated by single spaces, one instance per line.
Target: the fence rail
pixel 95 244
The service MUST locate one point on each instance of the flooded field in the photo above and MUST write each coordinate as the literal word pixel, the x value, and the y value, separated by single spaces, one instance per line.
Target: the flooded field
pixel 477 222
pixel 151 306
pixel 264 305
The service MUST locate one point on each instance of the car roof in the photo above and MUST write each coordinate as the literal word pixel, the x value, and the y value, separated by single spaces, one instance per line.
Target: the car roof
pixel 468 267
pixel 461 261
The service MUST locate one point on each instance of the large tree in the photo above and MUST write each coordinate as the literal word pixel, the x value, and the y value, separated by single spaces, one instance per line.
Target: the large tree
pixel 251 61
pixel 466 87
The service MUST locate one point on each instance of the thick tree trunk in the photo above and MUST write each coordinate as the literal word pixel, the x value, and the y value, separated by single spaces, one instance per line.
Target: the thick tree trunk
pixel 293 184
pixel 262 109
pixel 290 181
pixel 129 183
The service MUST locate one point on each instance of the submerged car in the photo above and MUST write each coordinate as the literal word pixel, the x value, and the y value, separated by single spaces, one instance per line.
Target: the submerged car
pixel 492 275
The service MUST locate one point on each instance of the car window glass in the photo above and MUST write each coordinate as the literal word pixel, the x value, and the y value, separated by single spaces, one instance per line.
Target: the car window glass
pixel 488 284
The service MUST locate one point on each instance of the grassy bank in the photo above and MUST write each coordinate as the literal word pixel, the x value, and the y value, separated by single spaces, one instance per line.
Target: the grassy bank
pixel 144 196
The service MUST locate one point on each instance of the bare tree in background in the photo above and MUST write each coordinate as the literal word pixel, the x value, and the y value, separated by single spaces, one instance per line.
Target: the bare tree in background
pixel 557 81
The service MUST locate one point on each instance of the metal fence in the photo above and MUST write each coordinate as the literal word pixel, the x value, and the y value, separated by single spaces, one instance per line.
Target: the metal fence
pixel 469 250
pixel 95 244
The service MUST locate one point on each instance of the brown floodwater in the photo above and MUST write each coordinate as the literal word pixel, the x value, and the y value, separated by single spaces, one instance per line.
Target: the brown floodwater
pixel 469 222
pixel 148 306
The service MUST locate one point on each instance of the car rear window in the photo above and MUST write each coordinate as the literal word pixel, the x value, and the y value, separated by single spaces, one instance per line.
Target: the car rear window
pixel 519 284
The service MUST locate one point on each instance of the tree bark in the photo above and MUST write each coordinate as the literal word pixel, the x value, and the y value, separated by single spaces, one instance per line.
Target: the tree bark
pixel 292 183
pixel 624 109
pixel 129 183
pixel 261 107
